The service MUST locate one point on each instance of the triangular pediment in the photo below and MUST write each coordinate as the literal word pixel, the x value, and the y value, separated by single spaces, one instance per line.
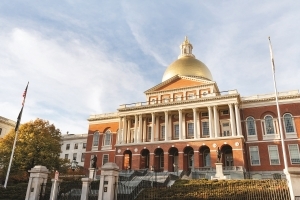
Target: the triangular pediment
pixel 177 82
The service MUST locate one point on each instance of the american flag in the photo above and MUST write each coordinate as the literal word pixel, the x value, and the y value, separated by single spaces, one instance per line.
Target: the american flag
pixel 20 114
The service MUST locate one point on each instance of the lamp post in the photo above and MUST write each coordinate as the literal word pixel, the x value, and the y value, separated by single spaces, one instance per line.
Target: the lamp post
pixel 73 165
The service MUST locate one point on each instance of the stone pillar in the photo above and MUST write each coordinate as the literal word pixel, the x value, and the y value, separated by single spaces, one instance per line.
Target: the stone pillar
pixel 119 137
pixel 152 126
pixel 108 181
pixel 124 130
pixel 219 172
pixel 54 189
pixel 195 117
pixel 135 128
pixel 85 188
pixel 180 124
pixel 129 136
pixel 92 173
pixel 140 133
pixel 166 125
pixel 293 181
pixel 216 122
pixel 232 120
pixel 210 122
pixel 38 176
pixel 238 119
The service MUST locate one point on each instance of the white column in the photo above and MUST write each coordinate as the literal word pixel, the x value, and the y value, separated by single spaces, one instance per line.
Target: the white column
pixel 183 127
pixel 124 130
pixel 210 122
pixel 128 131
pixel 120 132
pixel 135 128
pixel 232 120
pixel 195 117
pixel 216 122
pixel 180 124
pixel 144 137
pixel 166 125
pixel 140 132
pixel 238 119
pixel 152 129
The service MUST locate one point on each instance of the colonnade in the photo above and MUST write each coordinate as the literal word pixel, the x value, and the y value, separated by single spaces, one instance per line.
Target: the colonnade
pixel 144 130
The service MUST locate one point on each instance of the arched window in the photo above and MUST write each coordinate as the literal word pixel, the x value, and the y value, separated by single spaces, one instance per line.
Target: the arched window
pixel 250 123
pixel 96 139
pixel 269 125
pixel 288 123
pixel 107 138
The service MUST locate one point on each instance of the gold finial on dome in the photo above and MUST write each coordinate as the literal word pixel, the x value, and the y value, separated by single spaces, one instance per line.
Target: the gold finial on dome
pixel 186 48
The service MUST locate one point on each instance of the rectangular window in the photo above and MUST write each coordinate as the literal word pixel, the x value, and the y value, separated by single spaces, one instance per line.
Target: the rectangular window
pixel 177 98
pixel 166 100
pixel 224 112
pixel 294 153
pixel 74 156
pixel 176 131
pixel 66 156
pixel 162 132
pixel 105 159
pixel 149 133
pixel 205 128
pixel 76 146
pixel 254 155
pixel 108 139
pixel 204 114
pixel 273 155
pixel 84 145
pixel 82 157
pixel 191 96
pixel 190 130
pixel 67 146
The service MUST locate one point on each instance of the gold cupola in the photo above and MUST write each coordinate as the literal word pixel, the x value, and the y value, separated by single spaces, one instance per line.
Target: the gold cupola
pixel 187 64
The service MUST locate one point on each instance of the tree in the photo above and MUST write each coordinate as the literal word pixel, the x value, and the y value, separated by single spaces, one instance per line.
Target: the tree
pixel 38 143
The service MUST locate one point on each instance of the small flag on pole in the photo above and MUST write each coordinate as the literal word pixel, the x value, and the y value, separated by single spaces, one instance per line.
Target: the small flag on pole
pixel 272 58
pixel 24 94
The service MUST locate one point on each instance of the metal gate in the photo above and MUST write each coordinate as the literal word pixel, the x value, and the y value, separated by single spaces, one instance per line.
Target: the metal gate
pixel 45 191
pixel 94 190
pixel 70 190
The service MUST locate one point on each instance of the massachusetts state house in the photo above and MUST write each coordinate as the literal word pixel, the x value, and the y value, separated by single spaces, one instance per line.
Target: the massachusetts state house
pixel 185 119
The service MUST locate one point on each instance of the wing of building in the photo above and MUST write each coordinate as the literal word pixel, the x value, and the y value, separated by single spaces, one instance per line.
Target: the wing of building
pixel 5 126
pixel 186 118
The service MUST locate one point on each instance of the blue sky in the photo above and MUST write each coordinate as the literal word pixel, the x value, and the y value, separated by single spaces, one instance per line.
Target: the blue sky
pixel 88 57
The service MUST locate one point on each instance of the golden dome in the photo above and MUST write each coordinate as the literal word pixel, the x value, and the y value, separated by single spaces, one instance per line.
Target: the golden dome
pixel 187 65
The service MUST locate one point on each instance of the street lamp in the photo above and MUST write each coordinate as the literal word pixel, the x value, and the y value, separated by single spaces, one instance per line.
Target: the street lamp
pixel 73 165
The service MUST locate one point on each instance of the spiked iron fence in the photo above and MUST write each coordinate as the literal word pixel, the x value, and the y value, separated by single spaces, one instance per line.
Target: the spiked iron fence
pixel 221 190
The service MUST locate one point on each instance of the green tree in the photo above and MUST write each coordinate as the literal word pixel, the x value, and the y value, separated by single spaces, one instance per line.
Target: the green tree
pixel 38 143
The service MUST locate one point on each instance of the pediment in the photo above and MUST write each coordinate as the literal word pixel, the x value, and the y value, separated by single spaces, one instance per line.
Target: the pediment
pixel 177 82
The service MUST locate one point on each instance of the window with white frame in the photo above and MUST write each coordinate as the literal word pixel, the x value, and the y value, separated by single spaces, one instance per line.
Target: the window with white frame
pixel 250 124
pixel 161 160
pixel 84 145
pixel 205 128
pixel 67 146
pixel 206 158
pixel 273 155
pixel 190 131
pixel 107 138
pixel 76 146
pixel 162 131
pixel 294 153
pixel 288 123
pixel 176 131
pixel 269 125
pixel 82 157
pixel 96 139
pixel 104 159
pixel 74 156
pixel 66 156
pixel 254 155
pixel 226 131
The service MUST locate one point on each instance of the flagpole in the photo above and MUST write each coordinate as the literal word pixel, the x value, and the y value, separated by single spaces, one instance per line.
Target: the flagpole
pixel 285 171
pixel 16 136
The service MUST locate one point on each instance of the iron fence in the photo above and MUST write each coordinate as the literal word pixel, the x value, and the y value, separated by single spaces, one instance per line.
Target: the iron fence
pixel 45 190
pixel 94 190
pixel 70 190
pixel 223 190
